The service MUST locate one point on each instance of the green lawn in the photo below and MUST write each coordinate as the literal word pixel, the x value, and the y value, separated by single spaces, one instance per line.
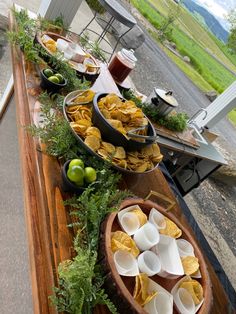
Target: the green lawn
pixel 208 68
pixel 232 116
pixel 189 71
pixel 190 26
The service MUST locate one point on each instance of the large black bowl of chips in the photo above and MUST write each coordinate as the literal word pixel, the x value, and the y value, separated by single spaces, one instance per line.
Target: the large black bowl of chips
pixel 77 109
pixel 110 127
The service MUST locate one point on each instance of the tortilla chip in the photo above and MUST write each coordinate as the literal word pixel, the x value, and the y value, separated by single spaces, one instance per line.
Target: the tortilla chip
pixel 140 293
pixel 92 142
pixel 92 130
pixel 119 153
pixel 141 216
pixel 122 241
pixel 195 289
pixel 190 264
pixel 171 229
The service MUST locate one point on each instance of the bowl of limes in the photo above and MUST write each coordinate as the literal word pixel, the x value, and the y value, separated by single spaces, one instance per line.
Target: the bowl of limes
pixel 51 80
pixel 76 176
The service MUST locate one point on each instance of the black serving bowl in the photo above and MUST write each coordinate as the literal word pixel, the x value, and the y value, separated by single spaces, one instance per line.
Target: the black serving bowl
pixel 67 185
pixel 51 86
pixel 115 137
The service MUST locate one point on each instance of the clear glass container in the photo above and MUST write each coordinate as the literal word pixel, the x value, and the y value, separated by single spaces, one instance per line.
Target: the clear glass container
pixel 122 64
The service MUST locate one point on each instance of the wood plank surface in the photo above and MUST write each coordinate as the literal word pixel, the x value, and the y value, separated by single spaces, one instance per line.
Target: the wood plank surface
pixel 49 239
pixel 184 137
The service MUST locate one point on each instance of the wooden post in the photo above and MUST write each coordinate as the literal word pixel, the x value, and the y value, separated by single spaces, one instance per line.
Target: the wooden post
pixel 50 9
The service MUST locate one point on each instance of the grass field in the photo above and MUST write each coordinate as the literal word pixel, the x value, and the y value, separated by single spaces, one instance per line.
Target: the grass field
pixel 232 116
pixel 189 71
pixel 211 71
pixel 196 31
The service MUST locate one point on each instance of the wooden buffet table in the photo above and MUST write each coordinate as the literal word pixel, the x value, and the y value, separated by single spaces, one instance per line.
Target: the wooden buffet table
pixel 50 240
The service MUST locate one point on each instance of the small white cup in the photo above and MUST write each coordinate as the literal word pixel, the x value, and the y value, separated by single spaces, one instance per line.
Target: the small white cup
pixel 160 304
pixel 129 223
pixel 69 53
pixel 147 236
pixel 184 301
pixel 149 263
pixel 185 248
pixel 157 219
pixel 62 45
pixel 126 263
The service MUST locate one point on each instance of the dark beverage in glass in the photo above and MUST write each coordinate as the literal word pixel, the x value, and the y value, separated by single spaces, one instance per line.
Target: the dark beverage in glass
pixel 122 64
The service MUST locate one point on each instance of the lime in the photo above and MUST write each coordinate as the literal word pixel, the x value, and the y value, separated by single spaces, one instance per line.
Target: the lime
pixel 90 174
pixel 76 162
pixel 80 183
pixel 48 72
pixel 60 77
pixel 53 79
pixel 75 174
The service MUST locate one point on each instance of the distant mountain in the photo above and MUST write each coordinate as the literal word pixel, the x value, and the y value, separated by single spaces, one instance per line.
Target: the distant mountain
pixel 211 22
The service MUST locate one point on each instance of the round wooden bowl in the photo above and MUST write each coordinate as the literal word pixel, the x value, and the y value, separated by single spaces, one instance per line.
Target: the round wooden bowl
pixel 120 288
pixel 88 76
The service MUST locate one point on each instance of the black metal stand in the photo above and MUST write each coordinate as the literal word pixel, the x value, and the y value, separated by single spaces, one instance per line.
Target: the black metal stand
pixel 118 13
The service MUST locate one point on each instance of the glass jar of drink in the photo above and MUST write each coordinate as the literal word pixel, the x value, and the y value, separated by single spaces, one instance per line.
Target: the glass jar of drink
pixel 122 64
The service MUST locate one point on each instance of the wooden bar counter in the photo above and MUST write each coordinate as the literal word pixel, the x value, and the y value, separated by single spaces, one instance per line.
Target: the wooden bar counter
pixel 50 240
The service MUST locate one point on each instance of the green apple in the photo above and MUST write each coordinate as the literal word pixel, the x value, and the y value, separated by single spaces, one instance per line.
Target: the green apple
pixel 90 174
pixel 75 174
pixel 76 162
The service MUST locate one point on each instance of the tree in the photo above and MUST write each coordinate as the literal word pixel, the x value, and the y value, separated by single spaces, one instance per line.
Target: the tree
pixel 232 34
pixel 173 14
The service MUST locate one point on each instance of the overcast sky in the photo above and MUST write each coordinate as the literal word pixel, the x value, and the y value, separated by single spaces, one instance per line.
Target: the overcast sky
pixel 219 8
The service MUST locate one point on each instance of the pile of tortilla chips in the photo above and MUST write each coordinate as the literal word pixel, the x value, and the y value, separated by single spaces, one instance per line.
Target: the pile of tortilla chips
pixel 124 116
pixel 171 229
pixel 122 241
pixel 50 44
pixel 81 121
pixel 194 288
pixel 140 293
pixel 190 264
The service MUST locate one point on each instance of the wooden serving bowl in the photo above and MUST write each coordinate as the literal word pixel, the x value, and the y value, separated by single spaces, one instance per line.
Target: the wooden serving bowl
pixel 120 288
pixel 88 76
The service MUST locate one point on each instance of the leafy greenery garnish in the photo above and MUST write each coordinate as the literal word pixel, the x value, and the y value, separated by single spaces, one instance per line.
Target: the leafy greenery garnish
pixel 58 22
pixel 81 279
pixel 92 47
pixel 176 122
pixel 53 129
